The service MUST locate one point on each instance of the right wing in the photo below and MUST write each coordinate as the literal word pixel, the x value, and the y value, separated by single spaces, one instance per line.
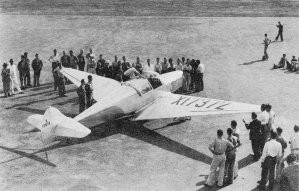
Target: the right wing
pixel 102 86
pixel 170 105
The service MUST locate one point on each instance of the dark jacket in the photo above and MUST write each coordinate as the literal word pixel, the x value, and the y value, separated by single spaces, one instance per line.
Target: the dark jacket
pixel 255 129
pixel 37 65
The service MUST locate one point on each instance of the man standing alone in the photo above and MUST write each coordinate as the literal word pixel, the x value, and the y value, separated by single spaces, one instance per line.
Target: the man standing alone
pixel 280 30
pixel 37 65
pixel 267 41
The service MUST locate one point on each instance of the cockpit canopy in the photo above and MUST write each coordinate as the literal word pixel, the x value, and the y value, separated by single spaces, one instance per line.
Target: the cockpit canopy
pixel 153 78
pixel 140 85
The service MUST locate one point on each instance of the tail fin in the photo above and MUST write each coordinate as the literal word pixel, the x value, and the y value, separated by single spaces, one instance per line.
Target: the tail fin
pixel 53 123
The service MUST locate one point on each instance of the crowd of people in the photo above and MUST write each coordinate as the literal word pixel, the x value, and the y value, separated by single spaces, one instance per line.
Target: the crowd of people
pixel 10 79
pixel 122 70
pixel 268 146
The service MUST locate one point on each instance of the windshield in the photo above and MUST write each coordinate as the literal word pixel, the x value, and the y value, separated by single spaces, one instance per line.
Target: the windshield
pixel 141 85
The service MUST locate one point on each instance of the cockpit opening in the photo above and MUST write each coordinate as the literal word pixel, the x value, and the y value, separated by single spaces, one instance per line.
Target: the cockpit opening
pixel 142 86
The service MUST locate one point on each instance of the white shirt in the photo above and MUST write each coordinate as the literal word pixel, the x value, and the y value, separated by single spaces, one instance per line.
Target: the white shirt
pixel 271 118
pixel 13 71
pixel 264 117
pixel 148 68
pixel 201 68
pixel 272 148
pixel 158 68
pixel 179 67
pixel 54 58
pixel 294 140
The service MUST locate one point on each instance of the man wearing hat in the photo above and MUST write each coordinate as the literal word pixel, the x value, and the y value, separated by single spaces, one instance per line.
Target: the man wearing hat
pixel 27 63
pixel 6 80
pixel 13 76
pixel 22 72
pixel 37 65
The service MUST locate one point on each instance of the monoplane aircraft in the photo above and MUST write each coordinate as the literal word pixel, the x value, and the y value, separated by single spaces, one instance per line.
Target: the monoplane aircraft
pixel 146 98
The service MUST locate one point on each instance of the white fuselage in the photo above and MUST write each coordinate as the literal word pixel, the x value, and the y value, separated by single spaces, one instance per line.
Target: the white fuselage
pixel 139 94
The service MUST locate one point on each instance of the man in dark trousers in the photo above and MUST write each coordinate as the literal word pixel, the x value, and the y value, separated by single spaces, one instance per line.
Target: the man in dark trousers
pixel 255 135
pixel 27 62
pixel 272 150
pixel 89 91
pixel 81 61
pixel 22 72
pixel 37 65
pixel 280 160
pixel 82 96
pixel 280 30
pixel 65 60
pixel 54 59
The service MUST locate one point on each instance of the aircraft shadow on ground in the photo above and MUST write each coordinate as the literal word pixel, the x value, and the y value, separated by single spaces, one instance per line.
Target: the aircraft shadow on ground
pixel 252 62
pixel 125 127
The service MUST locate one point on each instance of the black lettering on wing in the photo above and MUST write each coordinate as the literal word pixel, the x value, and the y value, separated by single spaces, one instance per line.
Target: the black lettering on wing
pixel 186 101
pixel 192 102
pixel 204 102
pixel 213 104
pixel 221 106
pixel 178 101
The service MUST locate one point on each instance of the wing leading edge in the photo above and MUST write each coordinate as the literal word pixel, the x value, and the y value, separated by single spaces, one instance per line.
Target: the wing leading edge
pixel 102 87
pixel 175 105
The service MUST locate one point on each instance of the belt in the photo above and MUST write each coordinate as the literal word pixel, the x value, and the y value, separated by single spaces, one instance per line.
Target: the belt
pixel 271 157
pixel 218 153
pixel 295 149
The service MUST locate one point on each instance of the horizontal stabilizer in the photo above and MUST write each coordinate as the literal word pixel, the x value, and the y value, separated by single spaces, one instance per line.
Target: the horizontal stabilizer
pixel 53 123
pixel 36 120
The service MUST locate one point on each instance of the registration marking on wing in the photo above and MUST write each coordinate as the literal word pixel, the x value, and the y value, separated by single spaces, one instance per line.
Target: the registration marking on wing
pixel 204 103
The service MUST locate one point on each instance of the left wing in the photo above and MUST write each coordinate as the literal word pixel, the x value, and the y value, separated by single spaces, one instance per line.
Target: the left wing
pixel 174 105
pixel 102 87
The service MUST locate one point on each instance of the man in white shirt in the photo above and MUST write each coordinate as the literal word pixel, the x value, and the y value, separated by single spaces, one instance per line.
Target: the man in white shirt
pixel 264 119
pixel 272 150
pixel 148 66
pixel 158 67
pixel 271 116
pixel 267 41
pixel 54 59
pixel 201 71
pixel 13 76
pixel 294 141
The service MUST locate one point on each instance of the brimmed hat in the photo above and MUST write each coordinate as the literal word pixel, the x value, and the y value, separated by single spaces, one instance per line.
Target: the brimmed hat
pixel 4 64
pixel 11 60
